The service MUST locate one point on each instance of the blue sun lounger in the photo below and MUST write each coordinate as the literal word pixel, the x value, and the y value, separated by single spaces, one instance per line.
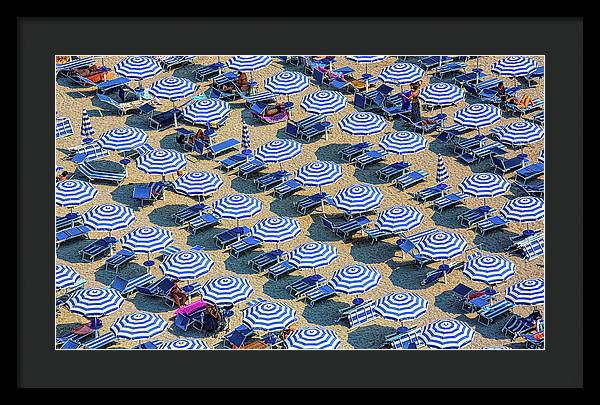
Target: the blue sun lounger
pixel 492 312
pixel 119 259
pixel 426 124
pixel 154 191
pixel 529 172
pixel 405 338
pixel 393 170
pixel 68 221
pixel 97 248
pixel 269 180
pixel 361 315
pixel 126 287
pixel 239 336
pixel 295 128
pixel 143 106
pixel 251 167
pixel 370 157
pixel 312 201
pixel 431 192
pixel 451 67
pixel 375 234
pixel 429 62
pixel 475 215
pixel 490 224
pixel 165 119
pixel 447 201
pixel 202 222
pixel 532 189
pixel 72 233
pixel 538 73
pixel 536 104
pixel 508 165
pixel 209 71
pixel 517 325
pixel 410 179
pixel 90 152
pixel 173 61
pixel 479 154
pixel 468 144
pixel 244 245
pixel 372 98
pixel 533 249
pixel 538 118
pixel 533 342
pixel 280 269
pixel 233 161
pixel 186 214
pixel 438 274
pixel 299 287
pixel 469 77
pixel 222 147
pixel 317 294
pixel 267 259
pixel 226 238
pixel 450 132
pixel 107 85
pixel 284 189
pixel 62 128
pixel 101 341
pixel 407 246
pixel 313 131
pixel 93 173
pixel 350 152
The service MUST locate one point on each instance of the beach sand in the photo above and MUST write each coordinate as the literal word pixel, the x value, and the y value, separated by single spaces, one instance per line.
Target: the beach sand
pixel 397 274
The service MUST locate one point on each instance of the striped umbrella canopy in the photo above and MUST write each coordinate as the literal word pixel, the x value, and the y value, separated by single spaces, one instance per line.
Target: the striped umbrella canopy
pixel 87 130
pixel 441 245
pixel 138 326
pixel 187 264
pixel 276 229
pixel 358 198
pixel 65 277
pixel 237 206
pixel 524 209
pixel 248 63
pixel 542 156
pixel 147 239
pixel 324 102
pixel 403 142
pixel 161 161
pixel 198 183
pixel 441 94
pixel 312 338
pixel 489 269
pixel 123 139
pixel 514 66
pixel 442 173
pixel 172 88
pixel 185 344
pixel 366 59
pixel 526 292
pixel 401 73
pixel 287 83
pixel 319 173
pixel 362 123
pixel 521 133
pixel 245 137
pixel 95 302
pixel 138 67
pixel 312 255
pixel 355 279
pixel 226 290
pixel 206 111
pixel 75 63
pixel 484 185
pixel 278 150
pixel 478 115
pixel 401 306
pixel 108 217
pixel 496 348
pixel 447 334
pixel 71 193
pixel 269 316
pixel 398 219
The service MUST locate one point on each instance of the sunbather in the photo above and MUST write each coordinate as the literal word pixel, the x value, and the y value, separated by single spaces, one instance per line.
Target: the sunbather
pixel 415 109
pixel 62 176
pixel 522 103
pixel 178 296
pixel 241 82
pixel 276 109
pixel 87 72
pixel 501 92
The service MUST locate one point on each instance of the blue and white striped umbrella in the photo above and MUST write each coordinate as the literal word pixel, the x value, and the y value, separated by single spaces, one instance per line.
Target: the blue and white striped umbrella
pixel 206 111
pixel 245 137
pixel 65 277
pixel 527 292
pixel 248 63
pixel 278 150
pixel 401 306
pixel 312 338
pixel 185 344
pixel 362 123
pixel 138 67
pixel 312 255
pixel 441 94
pixel 514 66
pixel 524 209
pixel 441 245
pixel 172 88
pixel 147 239
pixel 161 161
pixel 442 173
pixel 366 58
pixel 489 269
pixel 319 173
pixel 276 229
pixel 401 73
pixel 187 264
pixel 324 102
pixel 108 217
pixel 71 193
pixel 87 130
pixel 138 326
pixel 237 206
pixel 123 139
pixel 521 133
pixel 355 279
pixel 358 198
pixel 447 334
pixel 269 316
pixel 398 219
pixel 287 83
pixel 75 63
pixel 403 142
pixel 484 185
pixel 95 302
pixel 478 115
pixel 226 290
pixel 198 183
pixel 542 156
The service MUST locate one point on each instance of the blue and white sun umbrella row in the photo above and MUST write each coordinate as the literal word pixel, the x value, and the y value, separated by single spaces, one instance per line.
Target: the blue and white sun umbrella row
pixel 312 338
pixel 161 161
pixel 401 306
pixel 65 277
pixel 489 269
pixel 237 206
pixel 138 67
pixel 108 217
pixel 138 325
pixel 198 183
pixel 355 279
pixel 441 245
pixel 447 334
pixel 312 255
pixel 123 139
pixel 403 142
pixel 248 63
pixel 278 150
pixel 71 193
pixel 95 302
pixel 514 66
pixel 226 290
pixel 276 229
pixel 287 83
pixel 527 292
pixel 358 198
pixel 324 102
pixel 399 219
pixel 401 73
pixel 269 316
pixel 187 264
pixel 206 111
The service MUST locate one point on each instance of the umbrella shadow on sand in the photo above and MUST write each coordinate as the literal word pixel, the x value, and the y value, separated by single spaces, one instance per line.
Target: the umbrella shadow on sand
pixel 244 186
pixel 123 194
pixel 494 242
pixel 447 302
pixel 163 216
pixel 284 207
pixel 324 313
pixel 205 238
pixel 330 152
pixel 447 218
pixel 369 176
pixel 317 232
pixel 239 265
pixel 408 277
pixel 276 288
pixel 69 251
pixel 368 253
pixel 369 337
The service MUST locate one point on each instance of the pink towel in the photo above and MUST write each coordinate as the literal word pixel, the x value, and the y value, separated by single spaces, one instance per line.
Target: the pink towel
pixel 191 308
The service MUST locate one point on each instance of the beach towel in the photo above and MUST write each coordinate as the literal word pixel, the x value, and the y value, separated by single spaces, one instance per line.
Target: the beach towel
pixel 191 308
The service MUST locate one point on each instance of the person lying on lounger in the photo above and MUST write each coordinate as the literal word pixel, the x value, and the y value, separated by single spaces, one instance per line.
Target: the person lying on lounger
pixel 522 103
pixel 63 176
pixel 178 296
pixel 87 72
pixel 276 109
pixel 241 82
